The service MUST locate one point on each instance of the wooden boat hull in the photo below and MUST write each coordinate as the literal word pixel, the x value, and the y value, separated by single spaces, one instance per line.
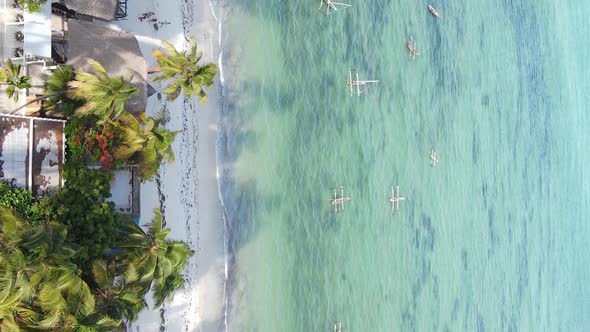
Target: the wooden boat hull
pixel 433 11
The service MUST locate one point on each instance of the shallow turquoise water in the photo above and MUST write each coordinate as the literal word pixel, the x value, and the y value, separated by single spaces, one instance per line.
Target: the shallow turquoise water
pixel 495 238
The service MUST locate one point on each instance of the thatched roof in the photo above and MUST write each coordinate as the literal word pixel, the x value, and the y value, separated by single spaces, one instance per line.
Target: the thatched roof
pixel 102 9
pixel 117 51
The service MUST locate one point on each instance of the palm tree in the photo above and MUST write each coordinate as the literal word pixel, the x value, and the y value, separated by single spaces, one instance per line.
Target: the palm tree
pixel 116 293
pixel 84 94
pixel 144 142
pixel 11 77
pixel 60 296
pixel 57 87
pixel 184 70
pixel 14 286
pixel 151 260
pixel 104 96
pixel 41 287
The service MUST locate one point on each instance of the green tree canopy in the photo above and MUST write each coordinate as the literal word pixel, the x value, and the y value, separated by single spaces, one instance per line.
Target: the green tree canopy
pixel 24 204
pixel 104 96
pixel 57 87
pixel 151 259
pixel 43 288
pixel 145 142
pixel 82 206
pixel 40 287
pixel 185 72
pixel 32 6
pixel 11 77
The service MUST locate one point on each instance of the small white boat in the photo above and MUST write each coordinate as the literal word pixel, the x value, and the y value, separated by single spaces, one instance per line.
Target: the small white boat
pixel 433 11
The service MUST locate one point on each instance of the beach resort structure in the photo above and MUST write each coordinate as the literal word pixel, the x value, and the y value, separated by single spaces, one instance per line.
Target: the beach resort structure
pixel 64 32
pixel 85 40
pixel 32 148
pixel 32 152
pixel 89 10
pixel 125 191
pixel 25 38
pixel 77 38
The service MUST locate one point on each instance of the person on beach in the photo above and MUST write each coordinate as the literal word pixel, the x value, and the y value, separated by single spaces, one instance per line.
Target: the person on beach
pixel 158 24
pixel 145 15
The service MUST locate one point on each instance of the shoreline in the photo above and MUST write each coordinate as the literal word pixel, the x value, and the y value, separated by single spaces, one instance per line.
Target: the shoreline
pixel 187 190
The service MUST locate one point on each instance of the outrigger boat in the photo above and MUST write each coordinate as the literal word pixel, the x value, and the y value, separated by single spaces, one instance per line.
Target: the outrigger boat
pixel 332 6
pixel 433 11
pixel 433 158
pixel 358 83
pixel 395 199
pixel 338 327
pixel 339 201
pixel 412 48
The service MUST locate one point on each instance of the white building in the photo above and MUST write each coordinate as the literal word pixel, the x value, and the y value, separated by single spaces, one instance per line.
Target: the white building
pixel 32 152
pixel 25 38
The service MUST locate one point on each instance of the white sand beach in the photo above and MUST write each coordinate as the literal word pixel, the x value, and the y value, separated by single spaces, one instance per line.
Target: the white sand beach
pixel 187 189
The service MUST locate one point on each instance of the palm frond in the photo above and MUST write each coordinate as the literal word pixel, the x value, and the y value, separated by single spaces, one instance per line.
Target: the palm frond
pixel 105 96
pixel 101 273
pixel 182 67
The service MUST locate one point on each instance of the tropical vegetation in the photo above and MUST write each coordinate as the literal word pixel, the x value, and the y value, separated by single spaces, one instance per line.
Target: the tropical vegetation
pixel 82 206
pixel 44 288
pixel 56 91
pixel 32 6
pixel 103 96
pixel 24 204
pixel 153 260
pixel 145 142
pixel 183 68
pixel 100 130
pixel 14 81
pixel 41 285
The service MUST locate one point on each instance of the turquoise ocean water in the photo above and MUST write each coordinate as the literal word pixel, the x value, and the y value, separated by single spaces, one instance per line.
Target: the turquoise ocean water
pixel 495 238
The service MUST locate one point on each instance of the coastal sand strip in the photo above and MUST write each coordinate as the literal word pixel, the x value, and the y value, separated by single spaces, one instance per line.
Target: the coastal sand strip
pixel 187 189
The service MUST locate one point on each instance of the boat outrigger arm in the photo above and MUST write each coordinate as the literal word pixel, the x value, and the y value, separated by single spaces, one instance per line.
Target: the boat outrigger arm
pixel 358 83
pixel 332 6
pixel 339 201
pixel 395 199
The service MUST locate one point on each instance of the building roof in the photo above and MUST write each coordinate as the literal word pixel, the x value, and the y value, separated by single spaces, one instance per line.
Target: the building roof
pixel 37 32
pixel 32 152
pixel 125 190
pixel 117 51
pixel 101 9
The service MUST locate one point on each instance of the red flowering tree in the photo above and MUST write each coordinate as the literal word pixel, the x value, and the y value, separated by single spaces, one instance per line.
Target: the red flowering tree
pixel 96 143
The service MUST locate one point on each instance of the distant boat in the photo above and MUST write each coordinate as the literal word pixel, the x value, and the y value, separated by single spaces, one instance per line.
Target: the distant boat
pixel 433 11
pixel 412 48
